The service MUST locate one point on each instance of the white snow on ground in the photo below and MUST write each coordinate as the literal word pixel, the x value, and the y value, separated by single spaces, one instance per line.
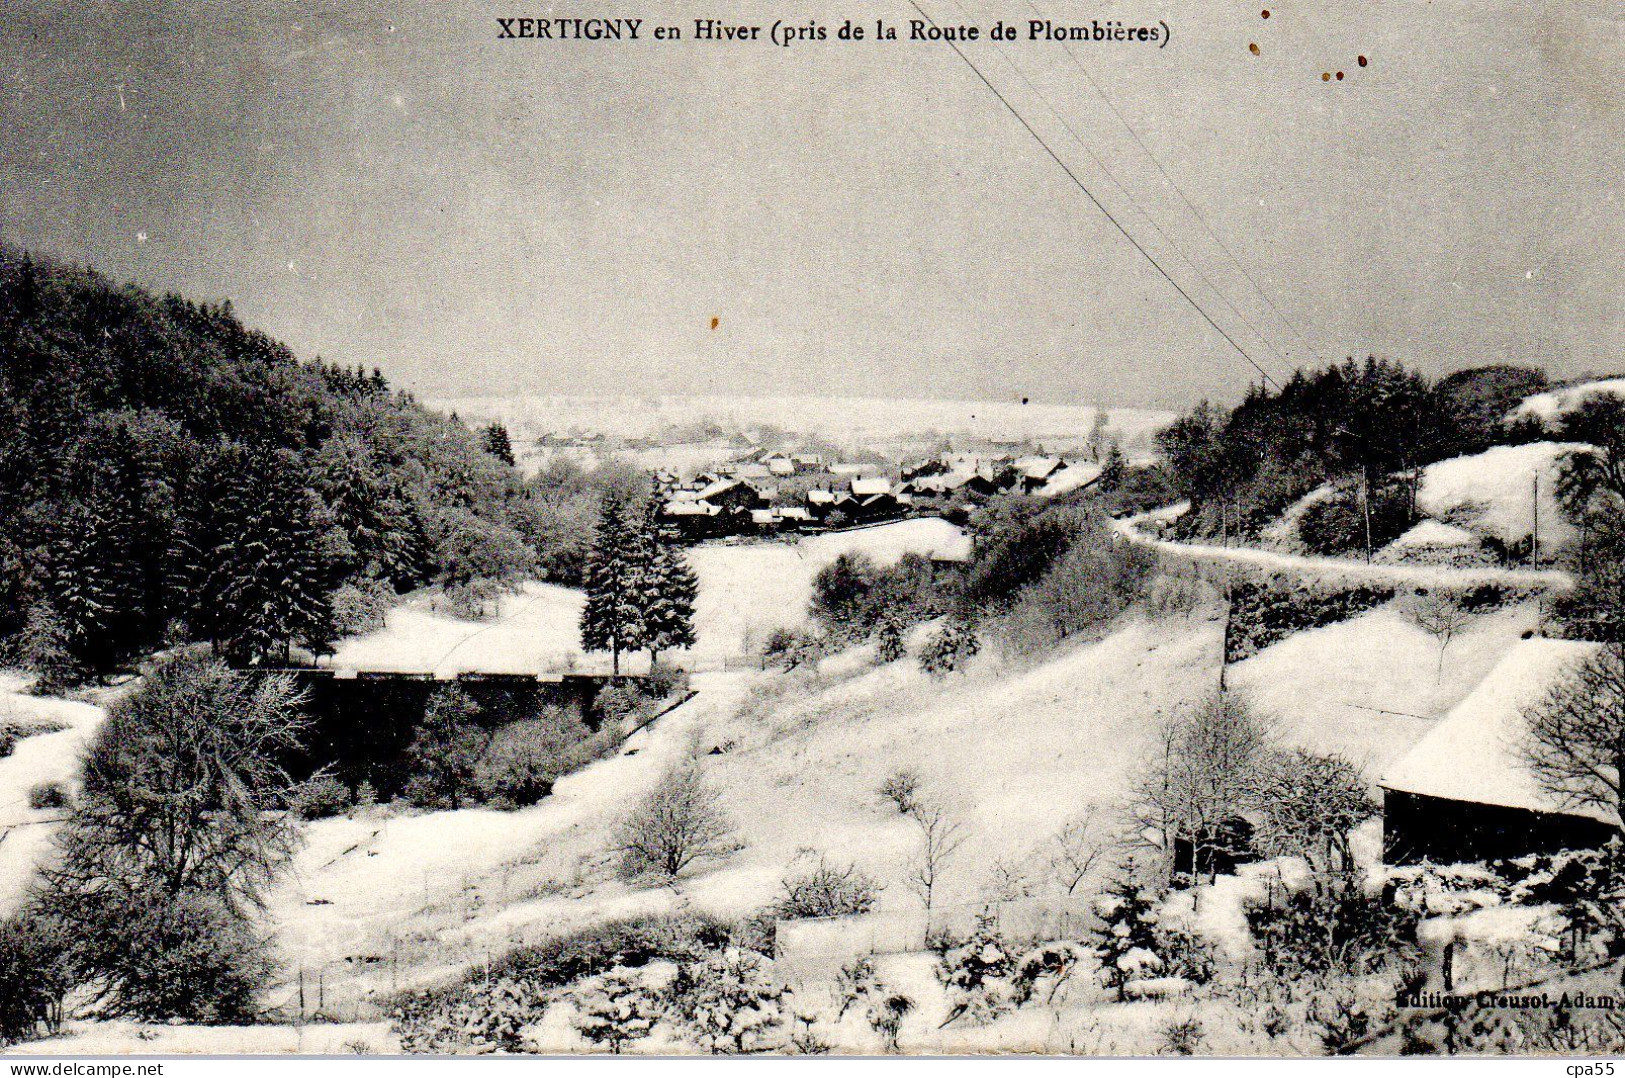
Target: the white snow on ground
pixel 1339 568
pixel 136 1039
pixel 25 833
pixel 1370 687
pixel 1559 402
pixel 1474 754
pixel 1493 492
pixel 1433 533
pixel 746 590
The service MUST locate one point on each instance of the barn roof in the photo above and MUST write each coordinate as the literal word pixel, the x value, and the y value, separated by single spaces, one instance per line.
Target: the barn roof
pixel 865 488
pixel 1473 755
pixel 721 486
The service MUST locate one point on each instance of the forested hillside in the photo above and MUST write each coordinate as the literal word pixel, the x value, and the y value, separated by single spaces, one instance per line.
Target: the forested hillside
pixel 171 475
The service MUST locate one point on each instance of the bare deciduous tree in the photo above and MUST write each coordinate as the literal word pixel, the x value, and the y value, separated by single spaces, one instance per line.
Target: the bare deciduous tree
pixel 1439 614
pixel 1312 803
pixel 940 839
pixel 680 823
pixel 1076 849
pixel 1576 740
pixel 1208 773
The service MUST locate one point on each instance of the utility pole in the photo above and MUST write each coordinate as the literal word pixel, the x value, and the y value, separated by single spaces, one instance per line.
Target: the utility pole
pixel 1534 527
pixel 1365 507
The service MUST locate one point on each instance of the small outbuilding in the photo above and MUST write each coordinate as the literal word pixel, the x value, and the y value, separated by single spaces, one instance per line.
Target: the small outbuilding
pixel 1465 792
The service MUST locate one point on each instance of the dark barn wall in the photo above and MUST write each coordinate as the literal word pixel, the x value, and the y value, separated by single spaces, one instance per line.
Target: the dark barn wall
pixel 1418 828
pixel 361 727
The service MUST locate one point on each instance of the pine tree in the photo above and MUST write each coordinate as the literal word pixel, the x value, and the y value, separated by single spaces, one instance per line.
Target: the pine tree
pixel 95 580
pixel 497 443
pixel 1114 471
pixel 274 588
pixel 1126 940
pixel 669 591
pixel 612 619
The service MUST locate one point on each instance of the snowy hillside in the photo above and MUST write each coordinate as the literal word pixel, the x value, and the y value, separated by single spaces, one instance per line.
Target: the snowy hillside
pixel 1495 492
pixel 746 590
pixel 25 833
pixel 1559 402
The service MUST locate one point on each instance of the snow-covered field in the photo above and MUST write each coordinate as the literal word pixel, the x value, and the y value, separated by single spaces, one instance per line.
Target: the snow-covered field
pixel 746 590
pixel 25 833
pixel 855 422
pixel 1559 402
pixel 1500 492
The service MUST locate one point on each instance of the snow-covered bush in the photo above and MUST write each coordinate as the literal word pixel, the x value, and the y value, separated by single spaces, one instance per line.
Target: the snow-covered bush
pixel 33 977
pixel 319 797
pixel 1332 929
pixel 856 982
pixel 902 788
pixel 524 758
pixel 978 975
pixel 48 795
pixel 618 1010
pixel 1044 969
pixel 885 1016
pixel 890 642
pixel 950 648
pixel 725 1003
pixel 360 607
pixel 679 824
pixel 827 891
pixel 1341 1016
pixel 1182 1037
pixel 485 1018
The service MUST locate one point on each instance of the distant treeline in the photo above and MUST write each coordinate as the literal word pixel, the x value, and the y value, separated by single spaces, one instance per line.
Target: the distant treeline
pixel 171 475
pixel 1367 425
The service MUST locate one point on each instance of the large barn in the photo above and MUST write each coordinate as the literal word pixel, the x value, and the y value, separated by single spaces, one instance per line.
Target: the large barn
pixel 1464 792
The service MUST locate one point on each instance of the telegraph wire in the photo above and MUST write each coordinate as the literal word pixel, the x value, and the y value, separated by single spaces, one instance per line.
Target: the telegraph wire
pixel 1180 191
pixel 1201 274
pixel 1073 176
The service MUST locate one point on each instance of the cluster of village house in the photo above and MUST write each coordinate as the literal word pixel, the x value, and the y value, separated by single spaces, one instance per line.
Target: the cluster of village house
pixel 775 491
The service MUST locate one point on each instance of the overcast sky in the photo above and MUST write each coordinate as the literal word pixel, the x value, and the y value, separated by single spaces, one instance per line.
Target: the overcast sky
pixel 390 184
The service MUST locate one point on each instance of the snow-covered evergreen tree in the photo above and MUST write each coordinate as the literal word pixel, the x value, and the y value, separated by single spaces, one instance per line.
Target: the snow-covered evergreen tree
pixel 1126 941
pixel 497 443
pixel 889 640
pixel 668 591
pixel 618 1010
pixel 615 578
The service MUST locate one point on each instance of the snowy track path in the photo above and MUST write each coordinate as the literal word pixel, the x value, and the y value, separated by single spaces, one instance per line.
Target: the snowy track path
pixel 1416 575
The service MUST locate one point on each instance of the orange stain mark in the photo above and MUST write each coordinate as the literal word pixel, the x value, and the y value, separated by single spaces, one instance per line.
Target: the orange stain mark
pixel 715 321
pixel 1339 76
pixel 1325 76
pixel 1265 13
pixel 1253 48
pixel 1363 61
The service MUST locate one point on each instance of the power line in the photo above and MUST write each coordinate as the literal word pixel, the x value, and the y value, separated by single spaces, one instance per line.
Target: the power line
pixel 1129 195
pixel 1098 204
pixel 1169 180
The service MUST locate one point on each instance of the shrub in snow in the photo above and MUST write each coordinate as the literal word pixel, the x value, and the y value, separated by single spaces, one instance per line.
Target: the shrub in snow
pixel 1332 929
pixel 618 1010
pixel 1312 803
pixel 1185 954
pixel 1182 1037
pixel 950 648
pixel 47 795
pixel 886 1014
pixel 360 607
pixel 34 977
pixel 679 824
pixel 790 648
pixel 827 891
pixel 524 758
pixel 1339 524
pixel 725 1003
pixel 902 788
pixel 856 982
pixel 665 682
pixel 1126 939
pixel 620 703
pixel 1341 1016
pixel 1588 887
pixel 320 797
pixel 890 644
pixel 1044 970
pixel 490 1018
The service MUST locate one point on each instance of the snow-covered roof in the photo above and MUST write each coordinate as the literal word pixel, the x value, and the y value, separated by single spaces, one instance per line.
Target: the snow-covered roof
pixel 793 512
pixel 1038 467
pixel 864 488
pixel 846 469
pixel 782 466
pixel 1474 754
pixel 721 486
pixel 691 509
pixel 820 497
pixel 1072 477
pixel 1436 533
pixel 752 471
pixel 762 516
